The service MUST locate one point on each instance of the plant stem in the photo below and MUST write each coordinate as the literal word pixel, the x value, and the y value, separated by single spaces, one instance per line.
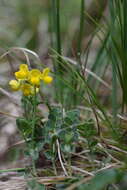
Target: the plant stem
pixel 33 128
pixel 79 44
pixel 53 160
pixel 82 15
pixel 58 36
pixel 13 170
pixel 58 67
pixel 114 94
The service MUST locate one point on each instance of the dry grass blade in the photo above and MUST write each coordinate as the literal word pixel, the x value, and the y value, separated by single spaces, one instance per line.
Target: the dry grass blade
pixel 10 96
pixel 112 157
pixel 81 170
pixel 8 114
pixel 109 166
pixel 117 149
pixel 19 183
pixel 89 72
pixel 74 185
pixel 25 51
pixel 60 159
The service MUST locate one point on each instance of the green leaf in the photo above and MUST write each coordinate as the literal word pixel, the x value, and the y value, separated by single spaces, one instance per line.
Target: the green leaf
pixel 102 179
pixel 67 148
pixel 24 126
pixel 22 123
pixel 68 138
pixel 49 154
pixel 54 118
pixel 62 126
pixel 87 129
pixel 34 154
pixel 72 116
pixel 34 185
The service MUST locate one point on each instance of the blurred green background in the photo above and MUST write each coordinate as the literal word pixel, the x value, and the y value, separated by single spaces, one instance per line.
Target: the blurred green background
pixel 27 23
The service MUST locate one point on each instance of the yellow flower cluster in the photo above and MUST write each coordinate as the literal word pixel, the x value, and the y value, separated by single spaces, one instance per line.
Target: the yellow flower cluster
pixel 28 81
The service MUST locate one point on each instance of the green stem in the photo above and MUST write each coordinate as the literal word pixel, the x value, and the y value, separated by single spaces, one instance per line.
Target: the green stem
pixel 52 24
pixel 33 128
pixel 69 163
pixel 53 160
pixel 13 169
pixel 34 112
pixel 82 15
pixel 125 25
pixel 114 94
pixel 79 45
pixel 58 68
pixel 58 41
pixel 58 36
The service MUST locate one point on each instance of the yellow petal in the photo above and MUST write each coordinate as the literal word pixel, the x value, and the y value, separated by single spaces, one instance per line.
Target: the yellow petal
pixel 34 77
pixel 22 73
pixel 47 79
pixel 15 85
pixel 34 72
pixel 35 81
pixel 23 67
pixel 45 72
pixel 26 89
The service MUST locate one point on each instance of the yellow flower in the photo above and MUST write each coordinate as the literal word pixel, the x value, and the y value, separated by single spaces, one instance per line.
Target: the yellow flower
pixel 34 77
pixel 27 81
pixel 23 72
pixel 45 77
pixel 15 85
pixel 26 89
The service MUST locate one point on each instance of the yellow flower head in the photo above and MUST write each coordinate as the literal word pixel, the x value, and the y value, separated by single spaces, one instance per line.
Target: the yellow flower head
pixel 29 81
pixel 34 77
pixel 26 89
pixel 15 85
pixel 45 77
pixel 23 72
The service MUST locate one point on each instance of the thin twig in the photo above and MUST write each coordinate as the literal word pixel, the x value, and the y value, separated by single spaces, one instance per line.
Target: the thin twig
pixel 81 170
pixel 117 149
pixel 85 157
pixel 60 159
pixel 107 167
pixel 77 184
pixel 8 114
pixel 89 72
pixel 100 145
pixel 10 96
